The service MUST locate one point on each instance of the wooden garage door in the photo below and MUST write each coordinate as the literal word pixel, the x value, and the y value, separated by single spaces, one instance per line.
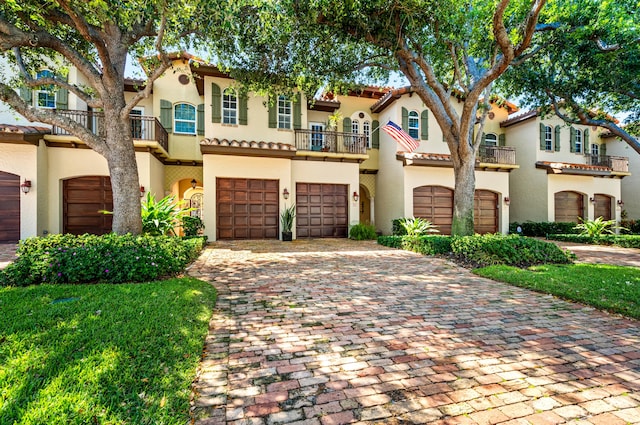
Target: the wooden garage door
pixel 485 212
pixel 83 198
pixel 247 208
pixel 434 203
pixel 9 207
pixel 321 210
pixel 568 206
pixel 602 206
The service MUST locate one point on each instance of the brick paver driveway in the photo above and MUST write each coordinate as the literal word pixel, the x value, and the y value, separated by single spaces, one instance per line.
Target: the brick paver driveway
pixel 334 332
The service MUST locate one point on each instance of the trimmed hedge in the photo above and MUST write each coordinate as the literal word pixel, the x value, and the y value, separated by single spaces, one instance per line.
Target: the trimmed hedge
pixel 108 258
pixel 511 250
pixel 542 228
pixel 361 232
pixel 624 241
pixel 631 227
pixel 484 250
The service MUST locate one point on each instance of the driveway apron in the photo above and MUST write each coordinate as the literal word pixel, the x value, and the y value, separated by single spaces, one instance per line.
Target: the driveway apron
pixel 326 332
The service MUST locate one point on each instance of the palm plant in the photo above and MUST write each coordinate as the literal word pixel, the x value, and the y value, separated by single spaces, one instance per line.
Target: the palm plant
pixel 418 226
pixel 597 227
pixel 163 216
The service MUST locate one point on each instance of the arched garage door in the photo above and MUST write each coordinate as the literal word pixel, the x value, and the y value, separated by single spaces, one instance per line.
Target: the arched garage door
pixel 83 198
pixel 435 203
pixel 602 206
pixel 568 206
pixel 9 207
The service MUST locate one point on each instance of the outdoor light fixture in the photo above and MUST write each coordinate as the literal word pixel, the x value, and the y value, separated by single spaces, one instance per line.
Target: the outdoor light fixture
pixel 194 183
pixel 507 201
pixel 592 200
pixel 620 202
pixel 26 186
pixel 356 196
pixel 285 194
pixel 141 191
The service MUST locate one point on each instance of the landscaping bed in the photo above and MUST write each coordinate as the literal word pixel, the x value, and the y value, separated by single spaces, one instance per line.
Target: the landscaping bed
pixel 89 354
pixel 624 241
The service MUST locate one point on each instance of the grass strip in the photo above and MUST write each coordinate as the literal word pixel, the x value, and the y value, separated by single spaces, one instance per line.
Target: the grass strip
pixel 101 354
pixel 612 288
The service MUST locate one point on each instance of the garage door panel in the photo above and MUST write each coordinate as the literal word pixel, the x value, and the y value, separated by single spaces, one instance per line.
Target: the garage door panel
pixel 321 210
pixel 602 207
pixel 248 209
pixel 568 206
pixel 486 214
pixel 83 199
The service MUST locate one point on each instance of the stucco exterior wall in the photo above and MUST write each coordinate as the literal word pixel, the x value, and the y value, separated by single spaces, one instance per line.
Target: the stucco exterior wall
pixel 22 160
pixel 630 185
pixel 586 185
pixel 215 166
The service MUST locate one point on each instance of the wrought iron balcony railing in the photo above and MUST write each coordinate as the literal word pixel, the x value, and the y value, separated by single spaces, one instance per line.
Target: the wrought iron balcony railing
pixel 615 163
pixel 330 141
pixel 497 155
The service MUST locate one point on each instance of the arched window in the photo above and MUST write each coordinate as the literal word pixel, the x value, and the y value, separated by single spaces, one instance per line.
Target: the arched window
pixel 229 106
pixel 355 126
pixel 491 139
pixel 414 125
pixel 45 96
pixel 184 118
pixel 284 112
pixel 578 141
pixel 548 138
pixel 366 129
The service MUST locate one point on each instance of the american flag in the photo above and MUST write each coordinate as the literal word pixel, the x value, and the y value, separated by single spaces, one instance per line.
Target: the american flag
pixel 401 136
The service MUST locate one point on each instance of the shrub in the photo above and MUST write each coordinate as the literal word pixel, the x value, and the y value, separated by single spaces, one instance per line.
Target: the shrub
pixel 192 225
pixel 108 258
pixel 542 229
pixel 427 245
pixel 630 227
pixel 397 228
pixel 417 226
pixel 491 249
pixel 624 241
pixel 361 232
pixel 163 216
pixel 596 227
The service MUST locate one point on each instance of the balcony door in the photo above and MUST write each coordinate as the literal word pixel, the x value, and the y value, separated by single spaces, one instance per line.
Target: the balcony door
pixel 317 136
pixel 137 129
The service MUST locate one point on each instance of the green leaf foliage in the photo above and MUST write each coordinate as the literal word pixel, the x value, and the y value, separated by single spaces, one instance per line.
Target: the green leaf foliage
pixel 624 241
pixel 110 258
pixel 596 227
pixel 163 216
pixel 361 232
pixel 541 228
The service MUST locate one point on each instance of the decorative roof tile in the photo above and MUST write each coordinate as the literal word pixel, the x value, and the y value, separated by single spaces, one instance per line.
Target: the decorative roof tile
pixel 23 129
pixel 248 144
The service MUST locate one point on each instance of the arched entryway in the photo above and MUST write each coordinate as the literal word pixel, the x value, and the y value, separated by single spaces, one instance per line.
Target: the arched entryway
pixel 603 206
pixel 83 198
pixel 9 207
pixel 568 206
pixel 364 206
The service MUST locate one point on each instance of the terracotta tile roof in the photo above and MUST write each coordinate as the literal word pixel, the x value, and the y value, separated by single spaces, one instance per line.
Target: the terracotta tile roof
pixel 428 156
pixel 514 119
pixel 571 166
pixel 23 129
pixel 248 144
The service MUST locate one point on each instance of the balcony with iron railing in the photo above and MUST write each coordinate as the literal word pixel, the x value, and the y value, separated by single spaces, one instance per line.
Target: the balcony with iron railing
pixel 330 141
pixel 618 164
pixel 143 128
pixel 505 155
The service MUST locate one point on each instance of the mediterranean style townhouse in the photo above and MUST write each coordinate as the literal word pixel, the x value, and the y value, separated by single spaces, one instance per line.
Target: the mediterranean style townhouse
pixel 239 160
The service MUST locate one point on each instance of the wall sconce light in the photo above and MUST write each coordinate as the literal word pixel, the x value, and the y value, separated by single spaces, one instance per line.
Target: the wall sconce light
pixel 620 203
pixel 592 200
pixel 141 191
pixel 356 196
pixel 194 183
pixel 507 201
pixel 285 194
pixel 26 186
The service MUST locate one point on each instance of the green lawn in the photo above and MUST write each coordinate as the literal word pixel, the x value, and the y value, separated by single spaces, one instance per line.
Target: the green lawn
pixel 612 288
pixel 101 354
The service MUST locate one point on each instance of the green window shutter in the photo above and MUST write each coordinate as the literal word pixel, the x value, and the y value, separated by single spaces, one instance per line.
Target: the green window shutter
pixel 375 134
pixel 483 141
pixel 200 119
pixel 542 135
pixel 62 99
pixel 346 125
pixel 556 138
pixel 243 112
pixel 216 103
pixel 26 94
pixel 297 112
pixel 166 114
pixel 424 125
pixel 502 139
pixel 573 140
pixel 603 150
pixel 405 119
pixel 586 149
pixel 273 112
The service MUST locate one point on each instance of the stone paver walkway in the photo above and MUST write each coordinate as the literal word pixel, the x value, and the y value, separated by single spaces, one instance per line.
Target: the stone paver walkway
pixel 603 254
pixel 336 332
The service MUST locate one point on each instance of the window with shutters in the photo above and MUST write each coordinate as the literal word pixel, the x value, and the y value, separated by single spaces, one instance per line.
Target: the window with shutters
pixel 414 125
pixel 45 95
pixel 229 107
pixel 366 129
pixel 491 139
pixel 184 118
pixel 548 138
pixel 578 142
pixel 284 112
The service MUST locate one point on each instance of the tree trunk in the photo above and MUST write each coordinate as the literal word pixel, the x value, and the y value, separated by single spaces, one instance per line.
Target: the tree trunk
pixel 123 169
pixel 463 198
